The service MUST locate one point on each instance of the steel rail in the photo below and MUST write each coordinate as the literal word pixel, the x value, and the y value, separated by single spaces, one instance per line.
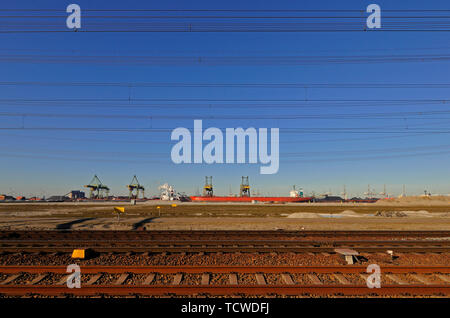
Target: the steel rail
pixel 187 249
pixel 216 242
pixel 20 233
pixel 114 269
pixel 167 290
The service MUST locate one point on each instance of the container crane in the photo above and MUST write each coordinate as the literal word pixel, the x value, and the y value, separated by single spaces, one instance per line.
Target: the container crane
pixel 97 189
pixel 245 187
pixel 208 188
pixel 135 188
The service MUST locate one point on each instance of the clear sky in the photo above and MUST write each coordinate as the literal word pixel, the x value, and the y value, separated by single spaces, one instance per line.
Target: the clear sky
pixel 332 143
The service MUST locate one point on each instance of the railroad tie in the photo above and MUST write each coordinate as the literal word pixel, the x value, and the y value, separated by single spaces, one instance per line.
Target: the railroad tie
pixel 9 279
pixel 63 280
pixel 260 279
pixel 233 279
pixel 364 277
pixel 123 277
pixel 315 280
pixel 422 279
pixel 396 279
pixel 37 279
pixel 287 279
pixel 342 279
pixel 325 254
pixel 93 279
pixel 205 279
pixel 177 279
pixel 444 278
pixel 148 280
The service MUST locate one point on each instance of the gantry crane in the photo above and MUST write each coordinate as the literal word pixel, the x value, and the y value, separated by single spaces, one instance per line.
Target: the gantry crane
pixel 245 187
pixel 208 188
pixel 135 188
pixel 97 189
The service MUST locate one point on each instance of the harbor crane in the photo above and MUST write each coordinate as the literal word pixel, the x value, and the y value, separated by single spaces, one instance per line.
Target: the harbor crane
pixel 245 187
pixel 135 188
pixel 208 188
pixel 97 189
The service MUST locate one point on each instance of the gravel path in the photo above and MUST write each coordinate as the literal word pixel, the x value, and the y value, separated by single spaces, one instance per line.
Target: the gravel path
pixel 245 259
pixel 219 279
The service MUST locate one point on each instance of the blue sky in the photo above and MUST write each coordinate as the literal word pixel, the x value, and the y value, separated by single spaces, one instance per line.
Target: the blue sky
pixel 49 161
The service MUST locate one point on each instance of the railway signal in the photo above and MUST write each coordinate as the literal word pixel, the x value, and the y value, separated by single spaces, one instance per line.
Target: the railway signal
pixel 119 210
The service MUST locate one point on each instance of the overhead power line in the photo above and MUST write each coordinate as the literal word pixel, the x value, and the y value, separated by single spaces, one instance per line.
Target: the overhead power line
pixel 223 60
pixel 221 10
pixel 245 85
pixel 284 154
pixel 285 130
pixel 147 161
pixel 131 102
pixel 235 117
pixel 222 21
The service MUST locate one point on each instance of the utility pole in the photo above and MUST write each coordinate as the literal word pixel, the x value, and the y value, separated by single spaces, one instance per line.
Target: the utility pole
pixel 344 193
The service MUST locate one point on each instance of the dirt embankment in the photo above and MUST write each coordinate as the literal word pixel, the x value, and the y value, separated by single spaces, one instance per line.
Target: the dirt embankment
pixel 416 200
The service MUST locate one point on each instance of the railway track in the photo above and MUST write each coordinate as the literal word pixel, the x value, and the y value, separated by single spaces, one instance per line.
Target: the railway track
pixel 223 280
pixel 191 235
pixel 224 241
pixel 225 246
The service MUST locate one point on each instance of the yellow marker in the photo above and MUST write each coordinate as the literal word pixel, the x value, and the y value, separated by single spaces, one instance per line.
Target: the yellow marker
pixel 119 209
pixel 158 207
pixel 79 253
pixel 174 205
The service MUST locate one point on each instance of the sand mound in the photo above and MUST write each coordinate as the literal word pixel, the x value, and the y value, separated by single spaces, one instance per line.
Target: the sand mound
pixel 19 213
pixel 428 200
pixel 420 213
pixel 303 215
pixel 349 213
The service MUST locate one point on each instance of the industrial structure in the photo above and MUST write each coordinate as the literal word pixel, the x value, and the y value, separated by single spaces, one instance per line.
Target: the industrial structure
pixel 294 193
pixel 244 195
pixel 245 187
pixel 135 188
pixel 208 188
pixel 75 195
pixel 97 189
pixel 167 192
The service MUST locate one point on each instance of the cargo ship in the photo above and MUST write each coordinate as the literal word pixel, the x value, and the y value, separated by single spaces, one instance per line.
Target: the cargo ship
pixel 244 195
pixel 248 199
